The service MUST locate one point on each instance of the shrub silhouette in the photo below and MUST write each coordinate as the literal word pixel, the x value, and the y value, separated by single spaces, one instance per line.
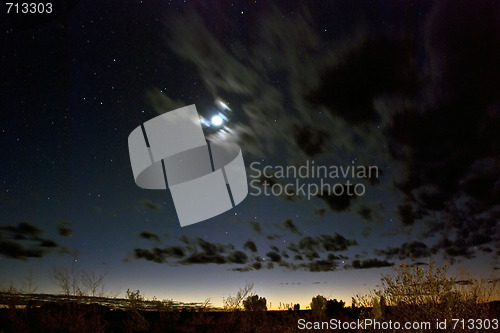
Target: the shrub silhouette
pixel 318 305
pixel 426 294
pixel 233 303
pixel 333 307
pixel 255 303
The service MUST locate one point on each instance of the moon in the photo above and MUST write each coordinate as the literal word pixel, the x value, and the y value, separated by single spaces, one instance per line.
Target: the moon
pixel 217 120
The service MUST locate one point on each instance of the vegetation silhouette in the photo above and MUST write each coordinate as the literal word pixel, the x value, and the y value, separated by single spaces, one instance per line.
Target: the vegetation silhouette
pixel 410 294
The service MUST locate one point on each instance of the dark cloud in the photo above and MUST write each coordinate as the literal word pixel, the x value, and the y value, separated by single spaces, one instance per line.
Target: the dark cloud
pixel 454 248
pixel 336 242
pixel 24 241
pixel 195 251
pixel 309 140
pixel 23 230
pixel 418 93
pixel 332 257
pixel 273 236
pixel 320 211
pixel 290 225
pixel 329 90
pixel 12 249
pixel 257 265
pixel 375 66
pixel 322 266
pixel 256 227
pixel 308 243
pixel 203 258
pixel 273 256
pixel 211 248
pixel 311 254
pixel 48 243
pixel 150 236
pixel 200 251
pixel 365 213
pixel 411 250
pixel 250 245
pixel 155 256
pixel 237 257
pixel 338 203
pixel 446 141
pixel 312 247
pixel 370 263
pixel 407 214
pixel 64 229
pixel 151 205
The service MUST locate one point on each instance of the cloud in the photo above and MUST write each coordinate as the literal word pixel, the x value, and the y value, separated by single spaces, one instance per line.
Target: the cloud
pixel 419 97
pixel 338 203
pixel 64 229
pixel 275 257
pixel 151 205
pixel 12 249
pixel 409 250
pixel 318 252
pixel 47 243
pixel 237 257
pixel 24 241
pixel 445 141
pixel 290 225
pixel 407 214
pixel 322 266
pixel 204 258
pixel 150 236
pixel 370 263
pixel 160 255
pixel 454 248
pixel 336 242
pixel 365 213
pixel 23 230
pixel 309 140
pixel 195 251
pixel 256 227
pixel 347 87
pixel 250 245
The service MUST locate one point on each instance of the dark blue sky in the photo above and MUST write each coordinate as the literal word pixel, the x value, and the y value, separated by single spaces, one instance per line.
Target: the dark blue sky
pixel 411 88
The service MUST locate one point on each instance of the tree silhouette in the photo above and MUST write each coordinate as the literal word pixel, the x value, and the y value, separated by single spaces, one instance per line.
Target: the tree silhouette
pixel 333 307
pixel 318 304
pixel 233 303
pixel 93 282
pixel 255 303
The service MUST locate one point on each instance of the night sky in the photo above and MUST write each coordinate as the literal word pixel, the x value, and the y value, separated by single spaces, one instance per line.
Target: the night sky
pixel 409 87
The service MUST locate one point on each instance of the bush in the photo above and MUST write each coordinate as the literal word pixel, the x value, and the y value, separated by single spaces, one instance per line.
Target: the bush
pixel 255 303
pixel 427 294
pixel 318 305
